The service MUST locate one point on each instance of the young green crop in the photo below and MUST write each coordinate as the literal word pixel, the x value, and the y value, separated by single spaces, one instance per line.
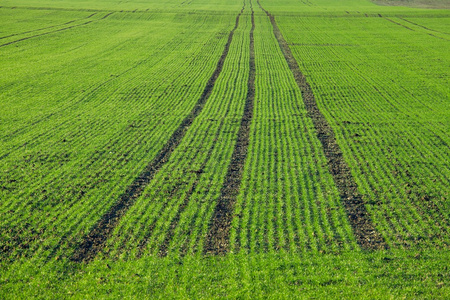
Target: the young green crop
pixel 195 171
pixel 386 98
pixel 288 199
pixel 68 161
pixel 91 91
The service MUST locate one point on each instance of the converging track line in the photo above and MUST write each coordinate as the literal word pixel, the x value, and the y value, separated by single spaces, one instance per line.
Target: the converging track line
pixel 365 232
pixel 95 240
pixel 218 236
pixel 55 31
pixel 48 27
pixel 424 27
pixel 404 26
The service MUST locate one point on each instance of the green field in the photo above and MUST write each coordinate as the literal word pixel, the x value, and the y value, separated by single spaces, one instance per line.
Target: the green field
pixel 224 149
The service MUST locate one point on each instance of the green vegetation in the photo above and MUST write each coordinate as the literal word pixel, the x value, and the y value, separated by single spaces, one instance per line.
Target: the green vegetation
pixel 92 91
pixel 195 171
pixel 389 112
pixel 285 164
pixel 415 3
pixel 350 275
pixel 76 141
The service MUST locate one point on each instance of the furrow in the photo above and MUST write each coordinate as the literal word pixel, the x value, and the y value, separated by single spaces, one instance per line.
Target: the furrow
pixel 218 236
pixel 366 234
pixel 97 237
pixel 409 28
pixel 424 27
pixel 54 31
pixel 48 27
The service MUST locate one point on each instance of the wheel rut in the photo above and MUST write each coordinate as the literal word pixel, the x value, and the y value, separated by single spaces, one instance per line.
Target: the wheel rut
pixel 164 248
pixel 95 240
pixel 364 230
pixel 55 31
pixel 218 236
pixel 48 27
pixel 424 27
pixel 404 26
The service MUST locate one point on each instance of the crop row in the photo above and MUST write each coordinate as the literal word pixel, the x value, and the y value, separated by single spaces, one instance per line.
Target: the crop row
pixel 388 110
pixel 94 104
pixel 37 22
pixel 173 214
pixel 288 199
pixel 63 174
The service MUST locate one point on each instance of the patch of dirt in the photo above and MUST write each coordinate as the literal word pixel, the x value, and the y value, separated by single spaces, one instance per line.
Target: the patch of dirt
pixel 15 241
pixel 218 237
pixel 365 232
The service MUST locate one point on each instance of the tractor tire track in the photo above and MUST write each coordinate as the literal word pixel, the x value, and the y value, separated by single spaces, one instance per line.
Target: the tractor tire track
pixel 55 31
pixel 39 29
pixel 404 26
pixel 164 248
pixel 424 27
pixel 145 241
pixel 218 236
pixel 95 240
pixel 51 8
pixel 396 23
pixel 365 232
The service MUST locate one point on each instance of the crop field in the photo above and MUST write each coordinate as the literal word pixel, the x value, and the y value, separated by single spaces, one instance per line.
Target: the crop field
pixel 224 149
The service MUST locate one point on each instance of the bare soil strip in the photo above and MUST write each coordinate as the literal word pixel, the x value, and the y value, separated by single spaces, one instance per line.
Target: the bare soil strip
pixel 54 31
pixel 95 240
pixel 366 235
pixel 218 237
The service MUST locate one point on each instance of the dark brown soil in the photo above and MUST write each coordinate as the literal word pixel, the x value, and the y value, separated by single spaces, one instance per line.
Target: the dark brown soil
pixel 218 237
pixel 365 232
pixel 20 241
pixel 95 240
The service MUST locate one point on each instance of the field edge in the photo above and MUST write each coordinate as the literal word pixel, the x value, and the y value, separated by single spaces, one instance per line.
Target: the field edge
pixel 382 275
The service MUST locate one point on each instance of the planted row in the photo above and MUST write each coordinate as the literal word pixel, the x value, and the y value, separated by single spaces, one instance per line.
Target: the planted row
pixel 385 95
pixel 63 173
